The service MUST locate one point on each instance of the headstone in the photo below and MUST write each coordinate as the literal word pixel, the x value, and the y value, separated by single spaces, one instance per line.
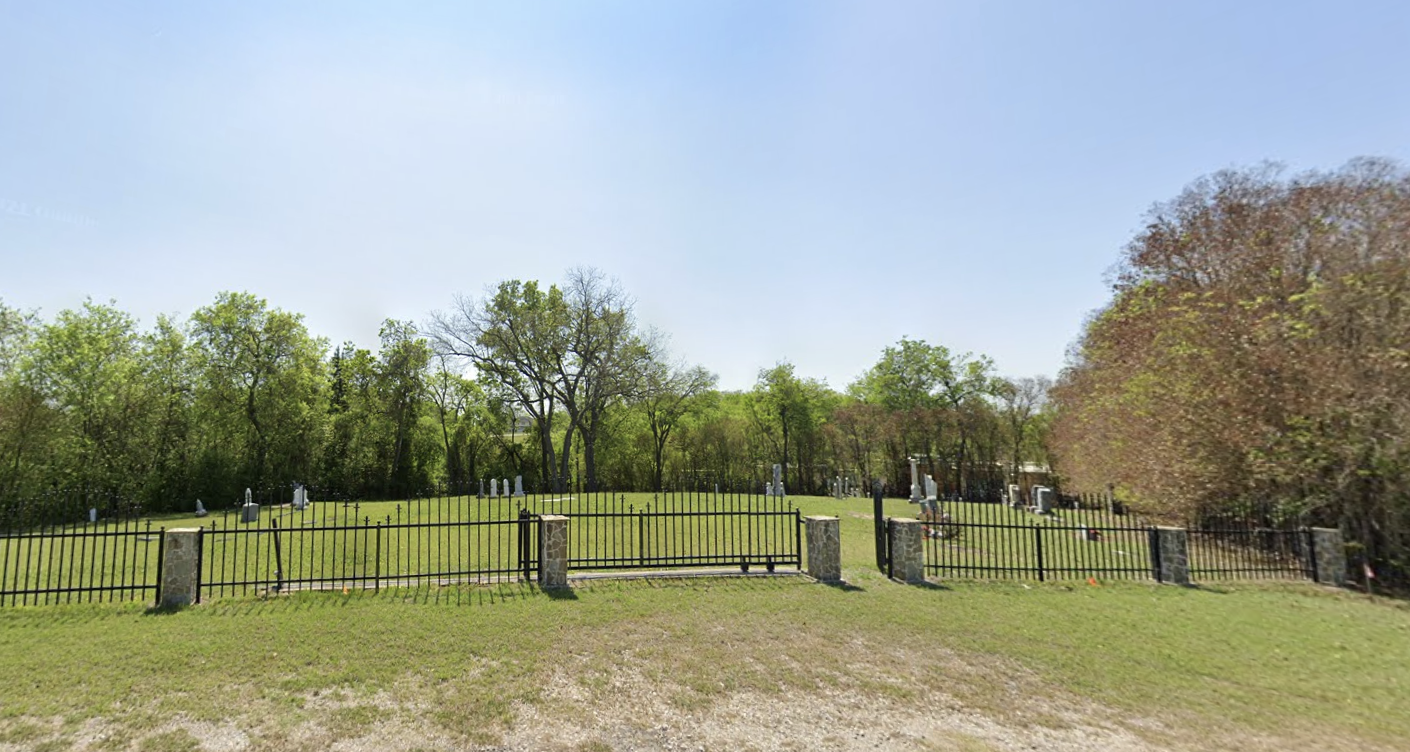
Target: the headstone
pixel 93 514
pixel 915 483
pixel 518 485
pixel 494 488
pixel 837 489
pixel 932 489
pixel 200 509
pixel 768 489
pixel 778 480
pixel 504 483
pixel 249 512
pixel 481 495
pixel 300 497
pixel 1015 496
pixel 1043 500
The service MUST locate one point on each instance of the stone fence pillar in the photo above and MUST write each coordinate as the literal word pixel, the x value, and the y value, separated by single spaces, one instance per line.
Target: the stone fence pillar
pixel 181 563
pixel 907 550
pixel 553 551
pixel 824 548
pixel 1170 555
pixel 1328 556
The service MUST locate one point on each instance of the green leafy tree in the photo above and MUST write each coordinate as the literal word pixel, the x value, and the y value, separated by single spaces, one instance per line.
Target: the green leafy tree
pixel 260 379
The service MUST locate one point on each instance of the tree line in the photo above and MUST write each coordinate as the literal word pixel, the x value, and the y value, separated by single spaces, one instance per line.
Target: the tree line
pixel 557 383
pixel 1256 354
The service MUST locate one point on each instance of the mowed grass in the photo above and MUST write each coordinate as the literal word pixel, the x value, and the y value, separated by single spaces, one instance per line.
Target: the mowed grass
pixel 1282 660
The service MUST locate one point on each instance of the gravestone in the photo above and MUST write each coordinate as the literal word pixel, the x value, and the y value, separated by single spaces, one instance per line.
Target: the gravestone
pixel 505 486
pixel 932 489
pixel 93 514
pixel 250 511
pixel 200 509
pixel 518 485
pixel 837 488
pixel 1015 496
pixel 778 480
pixel 494 488
pixel 481 495
pixel 300 497
pixel 915 483
pixel 1043 500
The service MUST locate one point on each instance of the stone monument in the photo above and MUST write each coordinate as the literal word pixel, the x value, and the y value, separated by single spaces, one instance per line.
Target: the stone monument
pixel 250 511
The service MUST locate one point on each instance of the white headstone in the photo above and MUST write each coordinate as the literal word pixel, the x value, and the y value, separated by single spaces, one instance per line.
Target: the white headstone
pixel 200 509
pixel 93 514
pixel 300 497
pixel 778 480
pixel 505 485
pixel 1015 496
pixel 518 485
pixel 932 489
pixel 494 488
pixel 249 497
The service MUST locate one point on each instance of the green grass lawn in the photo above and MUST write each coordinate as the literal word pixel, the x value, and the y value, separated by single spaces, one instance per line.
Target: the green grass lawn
pixel 1293 665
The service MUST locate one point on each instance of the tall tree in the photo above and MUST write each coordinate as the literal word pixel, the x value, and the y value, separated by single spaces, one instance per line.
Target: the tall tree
pixel 516 338
pixel 85 363
pixel 260 369
pixel 670 391
pixel 1254 351
pixel 402 365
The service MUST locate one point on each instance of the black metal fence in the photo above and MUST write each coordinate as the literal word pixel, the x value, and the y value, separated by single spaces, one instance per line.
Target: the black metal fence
pixel 996 541
pixel 679 530
pixel 93 560
pixel 333 545
pixel 470 539
pixel 1089 536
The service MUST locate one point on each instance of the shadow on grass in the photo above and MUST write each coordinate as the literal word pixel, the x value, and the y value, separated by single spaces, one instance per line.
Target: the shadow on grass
pixel 560 593
pixel 926 585
pixel 844 586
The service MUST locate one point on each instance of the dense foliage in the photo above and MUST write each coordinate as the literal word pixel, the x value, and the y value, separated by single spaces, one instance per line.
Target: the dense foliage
pixel 558 384
pixel 1257 350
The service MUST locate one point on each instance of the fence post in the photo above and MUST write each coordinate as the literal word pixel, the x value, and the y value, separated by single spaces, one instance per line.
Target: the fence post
pixel 824 549
pixel 553 551
pixel 1328 557
pixel 879 525
pixel 907 551
pixel 521 531
pixel 181 566
pixel 1038 550
pixel 1170 555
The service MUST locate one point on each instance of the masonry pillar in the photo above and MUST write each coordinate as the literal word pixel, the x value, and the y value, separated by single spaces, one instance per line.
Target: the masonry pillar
pixel 553 551
pixel 1170 555
pixel 824 548
pixel 181 564
pixel 907 551
pixel 1329 556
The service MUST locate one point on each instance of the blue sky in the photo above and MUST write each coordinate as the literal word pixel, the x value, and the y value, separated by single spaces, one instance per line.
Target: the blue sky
pixel 802 181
